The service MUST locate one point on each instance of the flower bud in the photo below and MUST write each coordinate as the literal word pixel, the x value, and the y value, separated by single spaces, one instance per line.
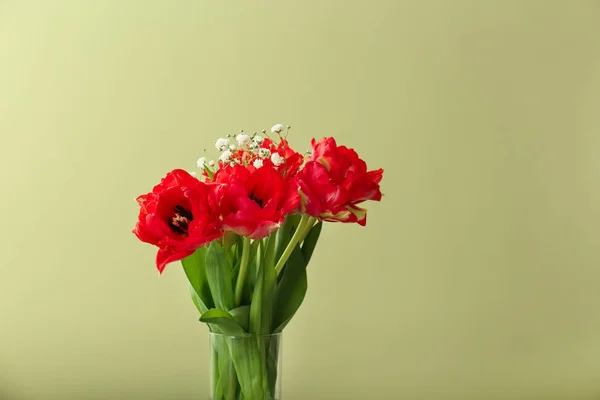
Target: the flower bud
pixel 243 139
pixel 278 128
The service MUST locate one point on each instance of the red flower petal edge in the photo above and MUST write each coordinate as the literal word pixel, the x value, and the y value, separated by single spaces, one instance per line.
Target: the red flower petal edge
pixel 254 202
pixel 335 181
pixel 178 217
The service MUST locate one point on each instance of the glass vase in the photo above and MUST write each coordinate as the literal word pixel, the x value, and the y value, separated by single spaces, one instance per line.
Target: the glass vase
pixel 245 367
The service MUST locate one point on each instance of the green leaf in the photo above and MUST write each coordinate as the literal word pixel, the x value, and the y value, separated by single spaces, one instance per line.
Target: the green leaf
pixel 272 364
pixel 242 316
pixel 261 308
pixel 195 270
pixel 224 321
pixel 256 307
pixel 235 272
pixel 285 233
pixel 219 274
pixel 240 348
pixel 250 366
pixel 200 306
pixel 216 373
pixel 252 273
pixel 209 172
pixel 228 240
pixel 308 247
pixel 259 259
pixel 239 247
pixel 236 254
pixel 197 301
pixel 270 252
pixel 224 378
pixel 290 290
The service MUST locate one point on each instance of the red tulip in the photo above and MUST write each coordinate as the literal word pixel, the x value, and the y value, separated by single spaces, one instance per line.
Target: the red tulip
pixel 293 160
pixel 335 181
pixel 254 202
pixel 283 158
pixel 177 217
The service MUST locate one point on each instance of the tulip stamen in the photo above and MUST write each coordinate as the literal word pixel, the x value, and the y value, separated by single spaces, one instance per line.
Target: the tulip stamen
pixel 256 200
pixel 180 221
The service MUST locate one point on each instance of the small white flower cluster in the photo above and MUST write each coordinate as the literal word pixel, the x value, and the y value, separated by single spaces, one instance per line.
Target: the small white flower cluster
pixel 226 156
pixel 243 142
pixel 243 139
pixel 255 145
pixel 256 149
pixel 222 144
pixel 202 163
pixel 277 128
pixel 277 160
pixel 226 148
pixel 264 153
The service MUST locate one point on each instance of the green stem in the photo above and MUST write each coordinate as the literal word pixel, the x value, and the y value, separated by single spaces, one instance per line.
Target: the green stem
pixel 270 251
pixel 232 384
pixel 239 285
pixel 296 238
pixel 309 225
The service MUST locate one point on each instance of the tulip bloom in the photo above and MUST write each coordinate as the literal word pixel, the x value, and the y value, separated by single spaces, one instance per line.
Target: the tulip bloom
pixel 254 202
pixel 177 217
pixel 335 181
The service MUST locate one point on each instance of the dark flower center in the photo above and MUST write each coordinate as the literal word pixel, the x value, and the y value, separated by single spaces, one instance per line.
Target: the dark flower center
pixel 180 221
pixel 256 200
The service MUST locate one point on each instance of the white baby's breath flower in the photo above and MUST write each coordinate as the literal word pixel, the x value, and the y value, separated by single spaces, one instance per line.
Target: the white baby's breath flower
pixel 257 163
pixel 277 160
pixel 222 144
pixel 192 173
pixel 243 139
pixel 211 163
pixel 232 147
pixel 277 128
pixel 258 139
pixel 201 162
pixel 226 156
pixel 264 153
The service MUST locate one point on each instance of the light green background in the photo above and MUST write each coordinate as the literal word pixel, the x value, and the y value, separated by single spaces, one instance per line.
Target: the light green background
pixel 477 277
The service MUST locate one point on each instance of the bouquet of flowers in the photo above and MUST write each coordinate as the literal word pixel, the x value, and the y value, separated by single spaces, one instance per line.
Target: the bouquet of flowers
pixel 244 230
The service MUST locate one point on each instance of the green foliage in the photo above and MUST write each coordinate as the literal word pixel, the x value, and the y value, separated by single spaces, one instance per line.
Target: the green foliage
pixel 224 321
pixel 219 273
pixel 290 290
pixel 245 365
pixel 285 233
pixel 195 270
pixel 242 316
pixel 261 308
pixel 308 247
